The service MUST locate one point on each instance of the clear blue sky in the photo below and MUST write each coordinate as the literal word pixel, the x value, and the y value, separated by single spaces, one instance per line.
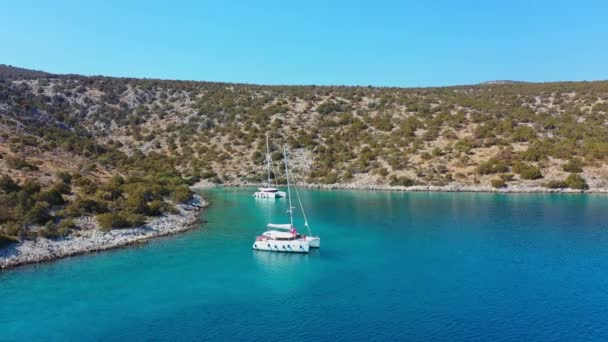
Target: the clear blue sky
pixel 383 43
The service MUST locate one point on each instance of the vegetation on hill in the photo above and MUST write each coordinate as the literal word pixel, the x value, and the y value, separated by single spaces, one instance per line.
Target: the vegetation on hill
pixel 497 135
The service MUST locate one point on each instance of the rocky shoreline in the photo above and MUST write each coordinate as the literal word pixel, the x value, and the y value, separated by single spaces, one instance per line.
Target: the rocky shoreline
pixel 89 238
pixel 435 188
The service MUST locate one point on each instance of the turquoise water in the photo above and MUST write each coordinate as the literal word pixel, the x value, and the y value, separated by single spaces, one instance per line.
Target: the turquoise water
pixel 393 266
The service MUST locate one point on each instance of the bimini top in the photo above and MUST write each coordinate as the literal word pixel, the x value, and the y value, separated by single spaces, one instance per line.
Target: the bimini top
pixel 268 189
pixel 275 234
pixel 285 226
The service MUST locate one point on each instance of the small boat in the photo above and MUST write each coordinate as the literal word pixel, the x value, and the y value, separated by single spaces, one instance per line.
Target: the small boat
pixel 268 191
pixel 285 237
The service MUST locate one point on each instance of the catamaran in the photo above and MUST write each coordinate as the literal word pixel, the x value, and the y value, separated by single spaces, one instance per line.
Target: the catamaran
pixel 285 237
pixel 269 191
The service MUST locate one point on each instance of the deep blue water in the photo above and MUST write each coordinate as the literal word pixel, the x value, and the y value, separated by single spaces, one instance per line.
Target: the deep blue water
pixel 393 266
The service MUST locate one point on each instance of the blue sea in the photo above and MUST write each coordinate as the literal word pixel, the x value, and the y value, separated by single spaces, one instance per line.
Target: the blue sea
pixel 392 267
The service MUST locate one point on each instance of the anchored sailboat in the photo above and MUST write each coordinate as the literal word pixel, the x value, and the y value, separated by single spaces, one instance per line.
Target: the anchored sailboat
pixel 269 191
pixel 285 237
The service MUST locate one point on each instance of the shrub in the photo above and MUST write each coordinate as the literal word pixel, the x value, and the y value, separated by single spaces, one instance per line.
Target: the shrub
pixel 492 166
pixel 52 197
pixel 574 166
pixel 575 181
pixel 108 221
pixel 526 171
pixel 181 194
pixel 62 188
pixel 507 177
pixel 498 183
pixel 81 206
pixel 38 214
pixel 8 185
pixel 331 178
pixel 136 203
pixel 555 184
pixel 133 219
pixel 327 108
pixel 401 181
pixel 67 223
pixel 20 164
pixel 524 133
pixel 64 176
pixel 51 231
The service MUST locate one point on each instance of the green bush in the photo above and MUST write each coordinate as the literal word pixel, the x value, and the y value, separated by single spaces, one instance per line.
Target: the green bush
pixel 575 181
pixel 401 181
pixel 524 133
pixel 492 166
pixel 20 164
pixel 134 219
pixel 527 171
pixel 181 194
pixel 507 177
pixel 498 183
pixel 82 206
pixel 108 221
pixel 64 177
pixel 38 214
pixel 8 185
pixel 574 166
pixel 330 178
pixel 67 223
pixel 555 184
pixel 52 197
pixel 51 231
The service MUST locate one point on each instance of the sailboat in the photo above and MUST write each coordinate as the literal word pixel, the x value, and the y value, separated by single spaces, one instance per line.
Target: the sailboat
pixel 268 191
pixel 284 237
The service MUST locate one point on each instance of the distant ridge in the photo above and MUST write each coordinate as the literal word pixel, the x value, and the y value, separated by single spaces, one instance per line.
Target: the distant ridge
pixel 9 71
pixel 494 82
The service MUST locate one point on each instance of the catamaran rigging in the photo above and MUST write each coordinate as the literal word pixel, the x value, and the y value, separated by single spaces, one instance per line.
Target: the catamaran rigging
pixel 269 191
pixel 285 237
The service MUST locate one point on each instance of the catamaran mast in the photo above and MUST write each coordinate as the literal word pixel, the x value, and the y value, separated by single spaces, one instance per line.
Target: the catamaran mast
pixel 268 159
pixel 288 190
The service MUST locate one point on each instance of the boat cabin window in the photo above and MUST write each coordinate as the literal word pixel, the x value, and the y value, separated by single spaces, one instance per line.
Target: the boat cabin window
pixel 289 238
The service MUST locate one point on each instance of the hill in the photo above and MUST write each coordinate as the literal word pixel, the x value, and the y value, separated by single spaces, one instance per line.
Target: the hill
pixel 9 71
pixel 338 134
pixel 506 134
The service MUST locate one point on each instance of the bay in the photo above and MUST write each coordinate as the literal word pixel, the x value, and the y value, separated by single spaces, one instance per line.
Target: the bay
pixel 392 266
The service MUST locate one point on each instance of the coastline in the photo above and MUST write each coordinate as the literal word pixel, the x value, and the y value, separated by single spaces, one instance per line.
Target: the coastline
pixel 89 239
pixel 428 188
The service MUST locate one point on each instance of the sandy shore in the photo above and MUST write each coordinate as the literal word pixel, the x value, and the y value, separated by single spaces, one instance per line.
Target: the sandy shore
pixel 90 239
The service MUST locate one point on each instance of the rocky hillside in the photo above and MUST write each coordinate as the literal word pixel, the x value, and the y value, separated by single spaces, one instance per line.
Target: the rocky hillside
pixel 501 134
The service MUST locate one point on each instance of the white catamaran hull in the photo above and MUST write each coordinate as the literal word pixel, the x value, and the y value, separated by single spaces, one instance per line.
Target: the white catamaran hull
pixel 263 194
pixel 314 241
pixel 293 246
